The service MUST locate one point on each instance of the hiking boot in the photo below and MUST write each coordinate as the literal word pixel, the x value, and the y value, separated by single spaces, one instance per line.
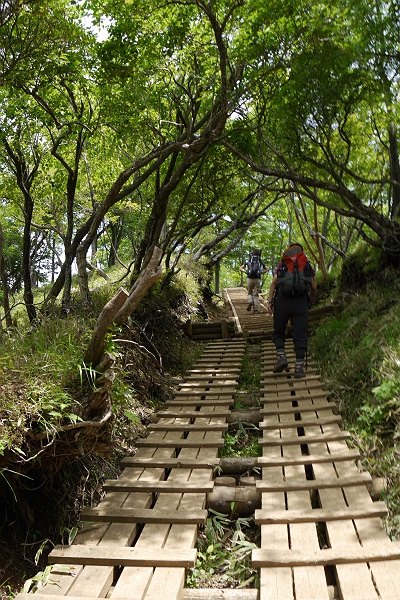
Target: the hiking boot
pixel 249 305
pixel 256 311
pixel 299 371
pixel 281 364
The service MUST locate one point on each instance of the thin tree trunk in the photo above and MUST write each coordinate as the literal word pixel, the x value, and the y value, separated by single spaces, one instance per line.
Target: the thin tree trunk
pixel 4 283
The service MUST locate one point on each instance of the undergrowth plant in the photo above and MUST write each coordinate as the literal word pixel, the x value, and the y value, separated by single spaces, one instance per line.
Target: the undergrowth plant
pixel 224 553
pixel 359 355
pixel 32 397
pixel 242 440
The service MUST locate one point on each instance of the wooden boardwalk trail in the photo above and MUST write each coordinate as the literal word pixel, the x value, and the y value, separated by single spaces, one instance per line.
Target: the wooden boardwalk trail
pixel 322 536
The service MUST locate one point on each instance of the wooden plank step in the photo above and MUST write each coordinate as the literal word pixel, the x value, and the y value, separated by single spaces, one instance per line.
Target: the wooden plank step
pixel 188 427
pixel 292 384
pixel 305 439
pixel 313 484
pixel 302 406
pixel 194 385
pixel 164 487
pixel 192 414
pixel 78 554
pixel 319 515
pixel 164 443
pixel 310 375
pixel 308 459
pixel 169 463
pixel 328 556
pixel 205 377
pixel 214 360
pixel 213 373
pixel 144 515
pixel 291 397
pixel 313 421
pixel 219 391
pixel 214 594
pixel 202 401
pixel 186 594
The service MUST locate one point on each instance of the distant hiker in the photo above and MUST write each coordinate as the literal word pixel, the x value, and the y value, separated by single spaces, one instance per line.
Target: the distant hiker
pixel 289 298
pixel 254 268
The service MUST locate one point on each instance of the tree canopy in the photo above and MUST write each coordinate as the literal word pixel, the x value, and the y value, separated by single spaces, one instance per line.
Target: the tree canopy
pixel 186 125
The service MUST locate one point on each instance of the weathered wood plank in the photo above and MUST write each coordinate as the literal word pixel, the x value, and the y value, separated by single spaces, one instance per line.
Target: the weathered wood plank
pixel 208 400
pixel 150 515
pixel 189 426
pixel 271 398
pixel 207 391
pixel 305 439
pixel 319 515
pixel 169 463
pixel 290 486
pixel 308 459
pixel 301 423
pixel 192 414
pixel 221 382
pixel 303 406
pixel 127 557
pixel 328 556
pixel 218 594
pixel 165 487
pixel 181 443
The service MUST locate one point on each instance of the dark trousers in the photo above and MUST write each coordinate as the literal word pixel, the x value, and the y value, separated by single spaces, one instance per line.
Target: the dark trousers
pixel 295 310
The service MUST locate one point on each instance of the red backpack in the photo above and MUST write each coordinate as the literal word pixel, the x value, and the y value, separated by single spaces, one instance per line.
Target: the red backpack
pixel 295 273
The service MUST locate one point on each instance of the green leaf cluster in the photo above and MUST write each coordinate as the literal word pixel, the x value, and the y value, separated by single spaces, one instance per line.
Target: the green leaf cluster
pixel 224 553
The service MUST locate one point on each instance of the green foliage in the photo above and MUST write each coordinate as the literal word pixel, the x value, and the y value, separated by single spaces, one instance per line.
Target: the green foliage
pixel 224 554
pixel 241 440
pixel 359 354
pixel 32 397
pixel 250 373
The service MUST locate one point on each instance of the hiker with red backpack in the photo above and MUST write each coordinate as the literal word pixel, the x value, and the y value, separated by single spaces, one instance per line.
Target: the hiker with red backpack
pixel 289 298
pixel 253 268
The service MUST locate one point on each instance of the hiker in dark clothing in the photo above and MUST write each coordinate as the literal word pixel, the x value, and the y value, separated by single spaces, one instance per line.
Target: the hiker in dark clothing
pixel 253 268
pixel 294 305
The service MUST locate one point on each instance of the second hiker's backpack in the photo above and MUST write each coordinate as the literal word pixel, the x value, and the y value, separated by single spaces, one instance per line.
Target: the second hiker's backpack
pixel 254 267
pixel 295 274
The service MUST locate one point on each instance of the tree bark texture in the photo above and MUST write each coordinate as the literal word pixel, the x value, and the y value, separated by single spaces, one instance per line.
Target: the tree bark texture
pixel 95 349
pixel 147 278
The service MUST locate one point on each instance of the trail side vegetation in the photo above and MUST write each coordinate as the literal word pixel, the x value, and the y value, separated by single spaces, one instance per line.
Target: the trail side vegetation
pixel 358 353
pixel 145 147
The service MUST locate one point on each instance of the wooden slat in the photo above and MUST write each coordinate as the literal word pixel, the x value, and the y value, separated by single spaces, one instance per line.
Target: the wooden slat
pixel 290 486
pixel 206 392
pixel 328 556
pixel 302 406
pixel 311 375
pixel 319 515
pixel 302 423
pixel 189 427
pixel 271 398
pixel 295 385
pixel 149 515
pixel 181 443
pixel 165 487
pixel 308 459
pixel 305 439
pixel 78 554
pixel 194 384
pixel 219 594
pixel 213 372
pixel 192 414
pixel 169 463
pixel 206 401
